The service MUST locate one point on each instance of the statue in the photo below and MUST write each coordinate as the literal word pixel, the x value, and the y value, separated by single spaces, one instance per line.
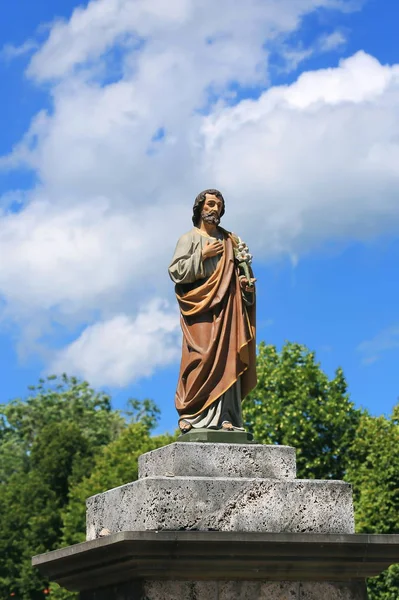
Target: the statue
pixel 215 290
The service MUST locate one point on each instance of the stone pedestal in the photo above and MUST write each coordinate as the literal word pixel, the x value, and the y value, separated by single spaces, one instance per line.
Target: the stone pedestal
pixel 222 487
pixel 221 521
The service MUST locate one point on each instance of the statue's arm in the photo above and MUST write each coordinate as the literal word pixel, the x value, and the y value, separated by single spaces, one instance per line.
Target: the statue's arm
pixel 249 297
pixel 187 264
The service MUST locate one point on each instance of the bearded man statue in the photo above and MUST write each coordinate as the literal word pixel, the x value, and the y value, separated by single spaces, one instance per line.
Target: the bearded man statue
pixel 217 306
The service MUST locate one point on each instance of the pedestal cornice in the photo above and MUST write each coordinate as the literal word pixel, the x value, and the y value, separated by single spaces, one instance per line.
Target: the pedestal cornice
pixel 211 555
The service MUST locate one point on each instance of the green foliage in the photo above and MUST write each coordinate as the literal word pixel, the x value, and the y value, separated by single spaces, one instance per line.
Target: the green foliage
pixel 57 447
pixel 61 453
pixel 48 442
pixel 385 586
pixel 114 466
pixel 143 411
pixel 296 404
pixel 63 399
pixel 373 470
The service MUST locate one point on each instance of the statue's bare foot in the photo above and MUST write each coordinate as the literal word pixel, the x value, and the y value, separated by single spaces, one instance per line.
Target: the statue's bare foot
pixel 185 426
pixel 227 426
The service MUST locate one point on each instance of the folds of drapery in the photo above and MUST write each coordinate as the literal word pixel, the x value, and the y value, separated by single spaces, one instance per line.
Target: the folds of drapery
pixel 218 333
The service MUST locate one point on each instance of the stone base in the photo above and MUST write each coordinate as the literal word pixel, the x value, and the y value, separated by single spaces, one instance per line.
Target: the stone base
pixel 219 460
pixel 222 521
pixel 217 436
pixel 222 487
pixel 223 504
pixel 230 590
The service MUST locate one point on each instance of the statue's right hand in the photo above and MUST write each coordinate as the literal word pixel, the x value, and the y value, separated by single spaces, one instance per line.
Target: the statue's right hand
pixel 212 249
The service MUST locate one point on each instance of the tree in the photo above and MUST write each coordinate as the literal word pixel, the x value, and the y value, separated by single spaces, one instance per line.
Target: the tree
pixel 30 523
pixel 31 503
pixel 58 446
pixel 373 470
pixel 296 404
pixel 59 399
pixel 48 442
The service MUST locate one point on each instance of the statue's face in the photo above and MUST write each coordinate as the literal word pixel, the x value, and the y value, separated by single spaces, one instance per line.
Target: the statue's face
pixel 212 205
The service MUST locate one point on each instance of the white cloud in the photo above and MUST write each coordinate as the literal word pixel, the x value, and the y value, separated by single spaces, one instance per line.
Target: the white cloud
pixel 122 349
pixel 90 244
pixel 318 159
pixel 384 341
pixel 77 256
pixel 332 41
pixel 10 51
pixel 238 34
pixel 294 57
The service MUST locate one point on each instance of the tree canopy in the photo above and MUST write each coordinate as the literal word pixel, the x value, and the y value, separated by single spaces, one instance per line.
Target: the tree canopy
pixel 373 470
pixel 296 404
pixel 58 446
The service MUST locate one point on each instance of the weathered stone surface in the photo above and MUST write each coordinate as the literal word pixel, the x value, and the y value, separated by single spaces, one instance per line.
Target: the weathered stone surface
pixel 222 590
pixel 223 504
pixel 229 590
pixel 332 591
pixel 251 590
pixel 219 460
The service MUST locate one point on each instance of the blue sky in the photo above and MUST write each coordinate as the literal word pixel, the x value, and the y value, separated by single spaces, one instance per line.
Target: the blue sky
pixel 268 111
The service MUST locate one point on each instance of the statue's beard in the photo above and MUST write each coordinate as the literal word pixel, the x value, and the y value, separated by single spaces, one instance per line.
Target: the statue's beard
pixel 210 217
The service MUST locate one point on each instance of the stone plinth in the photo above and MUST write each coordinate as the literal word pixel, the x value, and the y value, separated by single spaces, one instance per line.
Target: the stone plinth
pixel 222 521
pixel 219 460
pixel 222 487
pixel 223 504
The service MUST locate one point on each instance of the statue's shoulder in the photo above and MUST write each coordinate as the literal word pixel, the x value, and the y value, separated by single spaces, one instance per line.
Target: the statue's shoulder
pixel 230 234
pixel 189 235
pixel 186 240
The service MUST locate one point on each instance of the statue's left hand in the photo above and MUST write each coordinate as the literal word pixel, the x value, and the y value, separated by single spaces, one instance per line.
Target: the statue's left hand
pixel 245 284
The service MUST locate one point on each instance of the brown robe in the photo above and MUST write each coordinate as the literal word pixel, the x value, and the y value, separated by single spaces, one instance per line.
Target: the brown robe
pixel 218 335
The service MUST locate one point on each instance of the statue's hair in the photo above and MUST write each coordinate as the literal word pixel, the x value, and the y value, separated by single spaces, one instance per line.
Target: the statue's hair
pixel 199 202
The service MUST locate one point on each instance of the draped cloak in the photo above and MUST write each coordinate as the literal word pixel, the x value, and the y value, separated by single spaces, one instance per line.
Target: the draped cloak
pixel 218 326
